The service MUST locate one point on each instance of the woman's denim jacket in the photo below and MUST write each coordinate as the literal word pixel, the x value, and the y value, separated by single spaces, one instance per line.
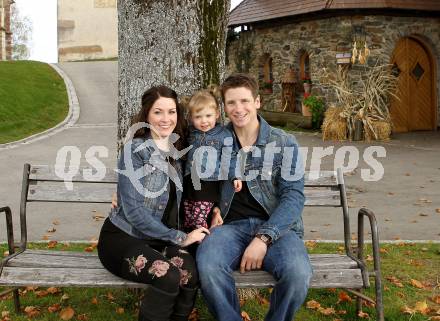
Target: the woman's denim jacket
pixel 143 185
pixel 211 154
pixel 279 186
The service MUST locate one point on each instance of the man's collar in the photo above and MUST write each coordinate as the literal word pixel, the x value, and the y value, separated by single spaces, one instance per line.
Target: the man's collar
pixel 263 131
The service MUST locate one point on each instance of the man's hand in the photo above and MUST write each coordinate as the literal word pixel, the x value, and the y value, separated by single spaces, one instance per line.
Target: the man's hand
pixel 253 256
pixel 237 185
pixel 216 217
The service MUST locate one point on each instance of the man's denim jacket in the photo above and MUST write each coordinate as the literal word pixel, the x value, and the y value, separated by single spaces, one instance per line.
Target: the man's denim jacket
pixel 279 186
pixel 143 185
pixel 218 160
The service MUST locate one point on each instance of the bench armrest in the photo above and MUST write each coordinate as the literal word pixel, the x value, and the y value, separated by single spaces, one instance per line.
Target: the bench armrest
pixel 10 234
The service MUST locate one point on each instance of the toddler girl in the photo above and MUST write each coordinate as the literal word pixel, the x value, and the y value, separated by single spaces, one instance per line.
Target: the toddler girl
pixel 208 139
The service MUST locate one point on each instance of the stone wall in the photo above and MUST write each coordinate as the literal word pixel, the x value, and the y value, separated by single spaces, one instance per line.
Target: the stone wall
pixel 322 38
pixel 87 29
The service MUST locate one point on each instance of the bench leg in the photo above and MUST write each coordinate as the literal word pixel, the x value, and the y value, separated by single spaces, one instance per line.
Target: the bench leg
pixel 16 301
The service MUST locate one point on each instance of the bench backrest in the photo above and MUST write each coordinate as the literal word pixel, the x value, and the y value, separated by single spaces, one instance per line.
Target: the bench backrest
pixel 44 185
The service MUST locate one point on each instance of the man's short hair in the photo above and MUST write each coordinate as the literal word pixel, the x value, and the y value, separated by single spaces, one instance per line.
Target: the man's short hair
pixel 240 80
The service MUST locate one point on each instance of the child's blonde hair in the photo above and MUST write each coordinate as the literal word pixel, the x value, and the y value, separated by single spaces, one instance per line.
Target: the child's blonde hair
pixel 204 98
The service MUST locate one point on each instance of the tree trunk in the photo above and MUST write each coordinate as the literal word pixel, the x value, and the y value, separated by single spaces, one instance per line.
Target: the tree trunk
pixel 178 43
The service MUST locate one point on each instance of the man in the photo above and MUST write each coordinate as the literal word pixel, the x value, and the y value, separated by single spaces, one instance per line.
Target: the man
pixel 262 226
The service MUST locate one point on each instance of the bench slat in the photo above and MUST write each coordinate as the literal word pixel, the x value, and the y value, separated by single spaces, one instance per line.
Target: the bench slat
pixel 82 192
pixel 337 278
pixel 48 191
pixel 62 259
pixel 47 173
pixel 65 277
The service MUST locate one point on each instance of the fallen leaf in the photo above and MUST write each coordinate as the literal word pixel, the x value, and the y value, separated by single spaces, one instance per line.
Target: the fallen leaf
pixel 120 310
pixel 435 318
pixel 344 297
pixel 65 297
pixel 41 293
pixel 67 313
pixel 327 311
pixel 98 217
pixel 363 315
pixel 82 317
pixel 31 311
pixel 89 249
pixel 422 307
pixel 31 288
pixel 51 244
pixel 423 214
pixel 331 290
pixel 416 284
pixel 245 316
pixel 110 296
pixel 45 237
pixel 401 295
pixel 341 312
pixel 94 300
pixel 436 299
pixel 387 220
pixel 5 314
pixel 437 210
pixel 310 244
pixel 194 316
pixel 56 222
pixel 51 230
pixel 53 290
pixel 54 308
pixel 390 193
pixel 395 281
pixel 5 253
pixel 407 310
pixel 424 249
pixel 312 304
pixel 385 288
pixel 313 231
pixel 369 258
pixel 383 250
pixel 407 174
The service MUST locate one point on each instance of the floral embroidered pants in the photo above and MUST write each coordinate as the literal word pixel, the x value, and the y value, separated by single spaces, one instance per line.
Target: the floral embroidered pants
pixel 168 268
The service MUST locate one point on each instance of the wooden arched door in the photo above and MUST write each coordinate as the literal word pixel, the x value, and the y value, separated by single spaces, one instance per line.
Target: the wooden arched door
pixel 416 108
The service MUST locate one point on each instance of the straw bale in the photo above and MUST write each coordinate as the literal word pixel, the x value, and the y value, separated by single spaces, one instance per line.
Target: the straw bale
pixel 334 126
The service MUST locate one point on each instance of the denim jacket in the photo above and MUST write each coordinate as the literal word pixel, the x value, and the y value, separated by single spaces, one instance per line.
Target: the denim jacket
pixel 277 187
pixel 214 163
pixel 143 185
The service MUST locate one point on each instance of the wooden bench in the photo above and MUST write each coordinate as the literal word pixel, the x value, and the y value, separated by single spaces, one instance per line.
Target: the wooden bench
pixel 25 267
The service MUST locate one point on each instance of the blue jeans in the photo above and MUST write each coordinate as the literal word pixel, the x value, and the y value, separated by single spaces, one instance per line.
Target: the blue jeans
pixel 220 254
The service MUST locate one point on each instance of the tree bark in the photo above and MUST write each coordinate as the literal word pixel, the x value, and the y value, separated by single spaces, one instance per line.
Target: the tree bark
pixel 178 43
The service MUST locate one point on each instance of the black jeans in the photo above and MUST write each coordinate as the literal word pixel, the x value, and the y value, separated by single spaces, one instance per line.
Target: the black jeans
pixel 168 268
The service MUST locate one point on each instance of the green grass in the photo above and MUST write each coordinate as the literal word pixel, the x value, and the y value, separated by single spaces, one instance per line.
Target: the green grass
pixel 403 261
pixel 33 98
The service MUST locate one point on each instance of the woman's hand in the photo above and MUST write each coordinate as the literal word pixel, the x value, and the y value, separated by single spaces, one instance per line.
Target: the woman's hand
pixel 216 218
pixel 114 200
pixel 196 236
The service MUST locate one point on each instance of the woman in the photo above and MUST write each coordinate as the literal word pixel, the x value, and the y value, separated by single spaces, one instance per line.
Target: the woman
pixel 140 240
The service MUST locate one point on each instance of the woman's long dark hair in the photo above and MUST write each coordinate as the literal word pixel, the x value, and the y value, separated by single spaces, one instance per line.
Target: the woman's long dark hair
pixel 148 99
